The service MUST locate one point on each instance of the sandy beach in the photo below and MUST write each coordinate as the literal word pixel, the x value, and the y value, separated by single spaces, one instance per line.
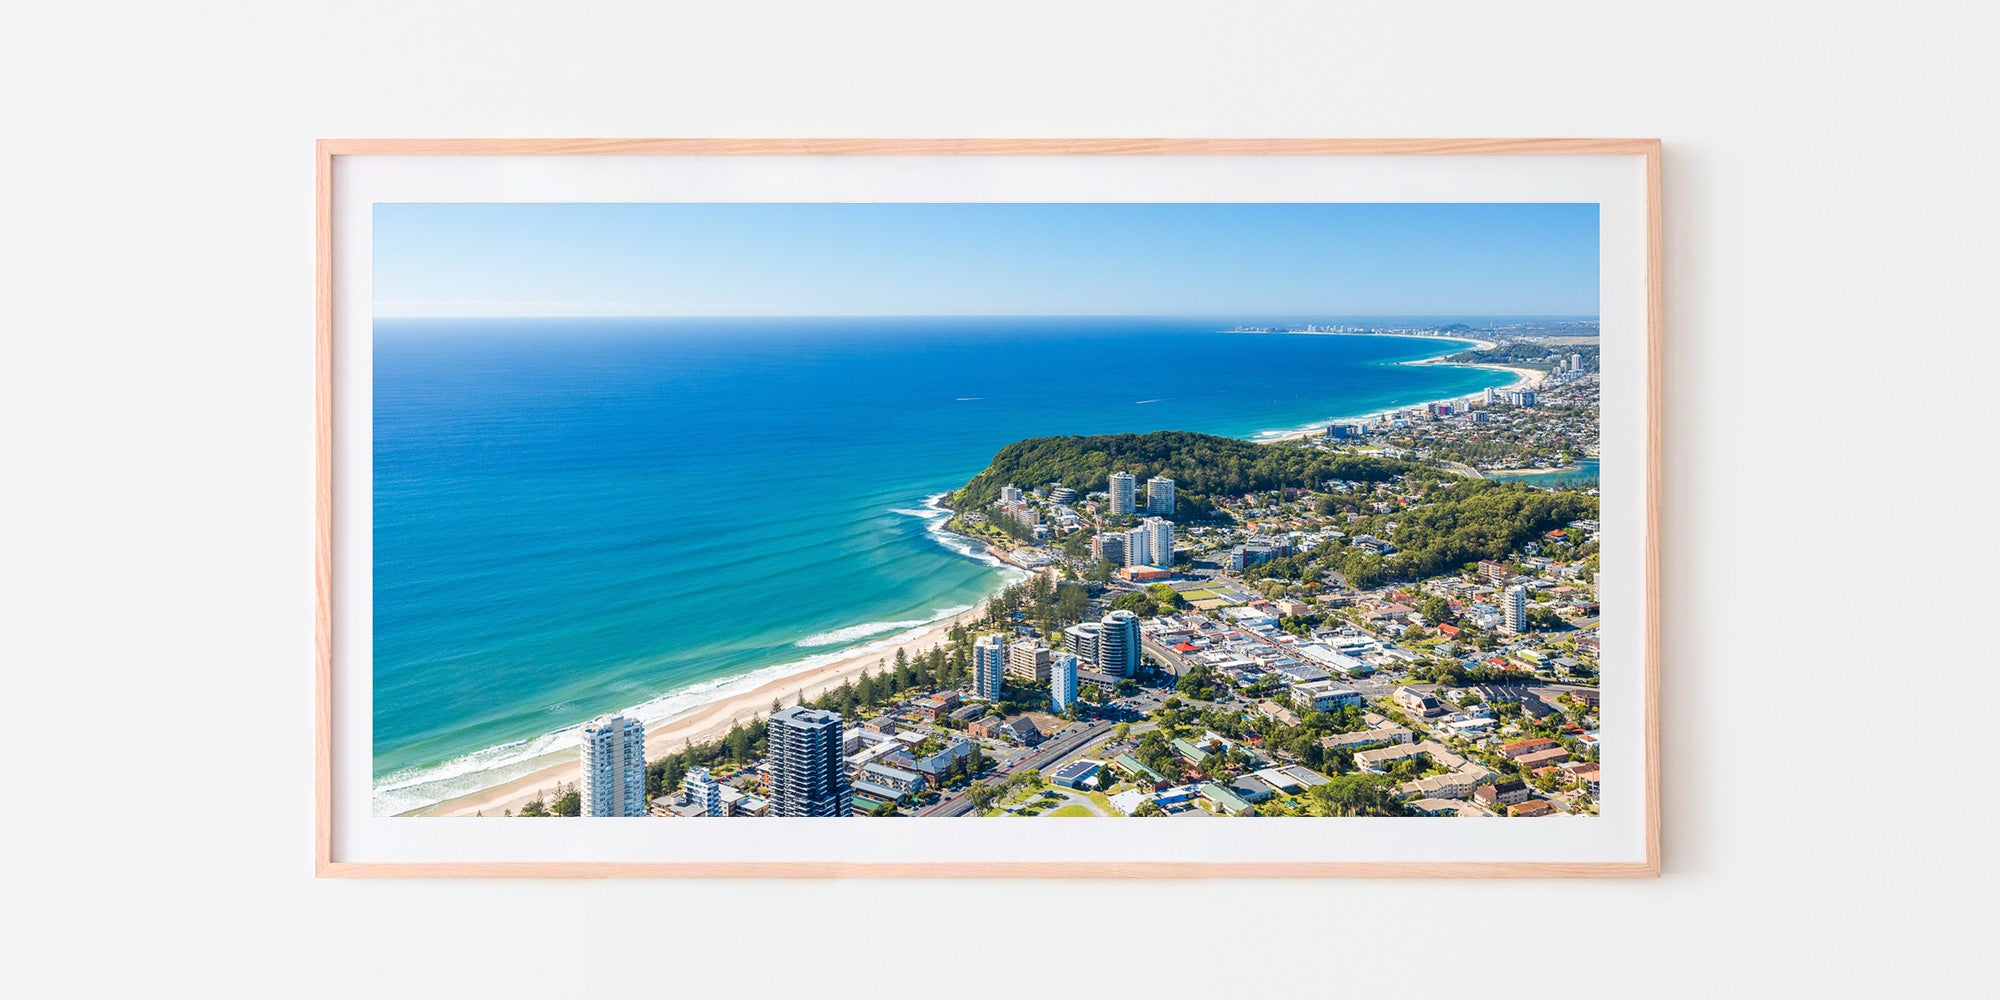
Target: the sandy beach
pixel 1524 378
pixel 704 722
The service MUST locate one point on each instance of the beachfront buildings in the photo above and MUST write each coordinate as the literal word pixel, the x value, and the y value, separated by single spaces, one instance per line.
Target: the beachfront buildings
pixel 989 665
pixel 1062 682
pixel 1514 609
pixel 1160 496
pixel 808 769
pixel 614 767
pixel 1124 490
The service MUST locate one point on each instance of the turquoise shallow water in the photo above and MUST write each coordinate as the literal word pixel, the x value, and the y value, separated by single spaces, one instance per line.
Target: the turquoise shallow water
pixel 1584 474
pixel 577 516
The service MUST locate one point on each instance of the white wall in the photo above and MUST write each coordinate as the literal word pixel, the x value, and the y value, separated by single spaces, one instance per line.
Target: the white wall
pixel 1831 261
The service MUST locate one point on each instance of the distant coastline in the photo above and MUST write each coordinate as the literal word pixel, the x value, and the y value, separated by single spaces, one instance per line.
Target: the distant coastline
pixel 1528 378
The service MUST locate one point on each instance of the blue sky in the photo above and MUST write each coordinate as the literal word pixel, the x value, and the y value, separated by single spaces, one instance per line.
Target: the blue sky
pixel 1248 260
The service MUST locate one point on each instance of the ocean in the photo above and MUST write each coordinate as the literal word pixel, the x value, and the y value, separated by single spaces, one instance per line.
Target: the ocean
pixel 575 516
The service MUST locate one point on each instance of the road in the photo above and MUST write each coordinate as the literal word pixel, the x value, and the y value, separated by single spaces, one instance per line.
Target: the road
pixel 1053 753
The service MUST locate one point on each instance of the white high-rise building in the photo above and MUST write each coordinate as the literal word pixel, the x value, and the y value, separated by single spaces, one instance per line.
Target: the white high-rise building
pixel 1062 682
pixel 989 665
pixel 614 767
pixel 1492 395
pixel 1010 493
pixel 1118 645
pixel 703 790
pixel 1576 362
pixel 1124 493
pixel 1159 534
pixel 1136 552
pixel 1159 495
pixel 1514 609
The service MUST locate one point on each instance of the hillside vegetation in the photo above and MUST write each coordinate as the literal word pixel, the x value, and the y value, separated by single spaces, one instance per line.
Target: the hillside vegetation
pixel 1202 467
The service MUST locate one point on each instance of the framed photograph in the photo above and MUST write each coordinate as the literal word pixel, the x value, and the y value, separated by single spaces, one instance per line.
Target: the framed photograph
pixel 1035 507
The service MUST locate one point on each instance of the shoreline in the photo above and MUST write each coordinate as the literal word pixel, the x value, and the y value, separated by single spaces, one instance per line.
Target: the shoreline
pixel 707 721
pixel 1529 378
pixel 710 720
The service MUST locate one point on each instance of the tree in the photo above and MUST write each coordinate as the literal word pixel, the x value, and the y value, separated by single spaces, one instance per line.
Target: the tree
pixel 1149 808
pixel 1157 752
pixel 1137 602
pixel 981 795
pixel 1357 795
pixel 1436 610
pixel 1202 466
pixel 1200 682
pixel 569 803
pixel 1071 600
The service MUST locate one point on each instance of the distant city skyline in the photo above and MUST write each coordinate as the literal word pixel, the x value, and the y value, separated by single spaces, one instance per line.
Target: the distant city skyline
pixel 1251 261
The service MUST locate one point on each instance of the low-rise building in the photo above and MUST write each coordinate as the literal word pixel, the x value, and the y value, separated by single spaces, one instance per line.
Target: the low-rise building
pixel 1533 807
pixel 1520 748
pixel 1418 702
pixel 1326 696
pixel 1189 752
pixel 1225 801
pixel 934 709
pixel 1249 789
pixel 1022 730
pixel 1279 712
pixel 893 777
pixel 1379 736
pixel 1379 759
pixel 1279 780
pixel 934 765
pixel 1078 774
pixel 1504 793
pixel 1455 785
pixel 987 727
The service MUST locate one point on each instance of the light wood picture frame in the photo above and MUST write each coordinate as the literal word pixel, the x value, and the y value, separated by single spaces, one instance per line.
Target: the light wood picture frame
pixel 334 855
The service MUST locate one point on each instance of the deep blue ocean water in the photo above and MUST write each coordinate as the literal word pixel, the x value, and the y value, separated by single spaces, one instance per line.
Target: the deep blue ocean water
pixel 579 516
